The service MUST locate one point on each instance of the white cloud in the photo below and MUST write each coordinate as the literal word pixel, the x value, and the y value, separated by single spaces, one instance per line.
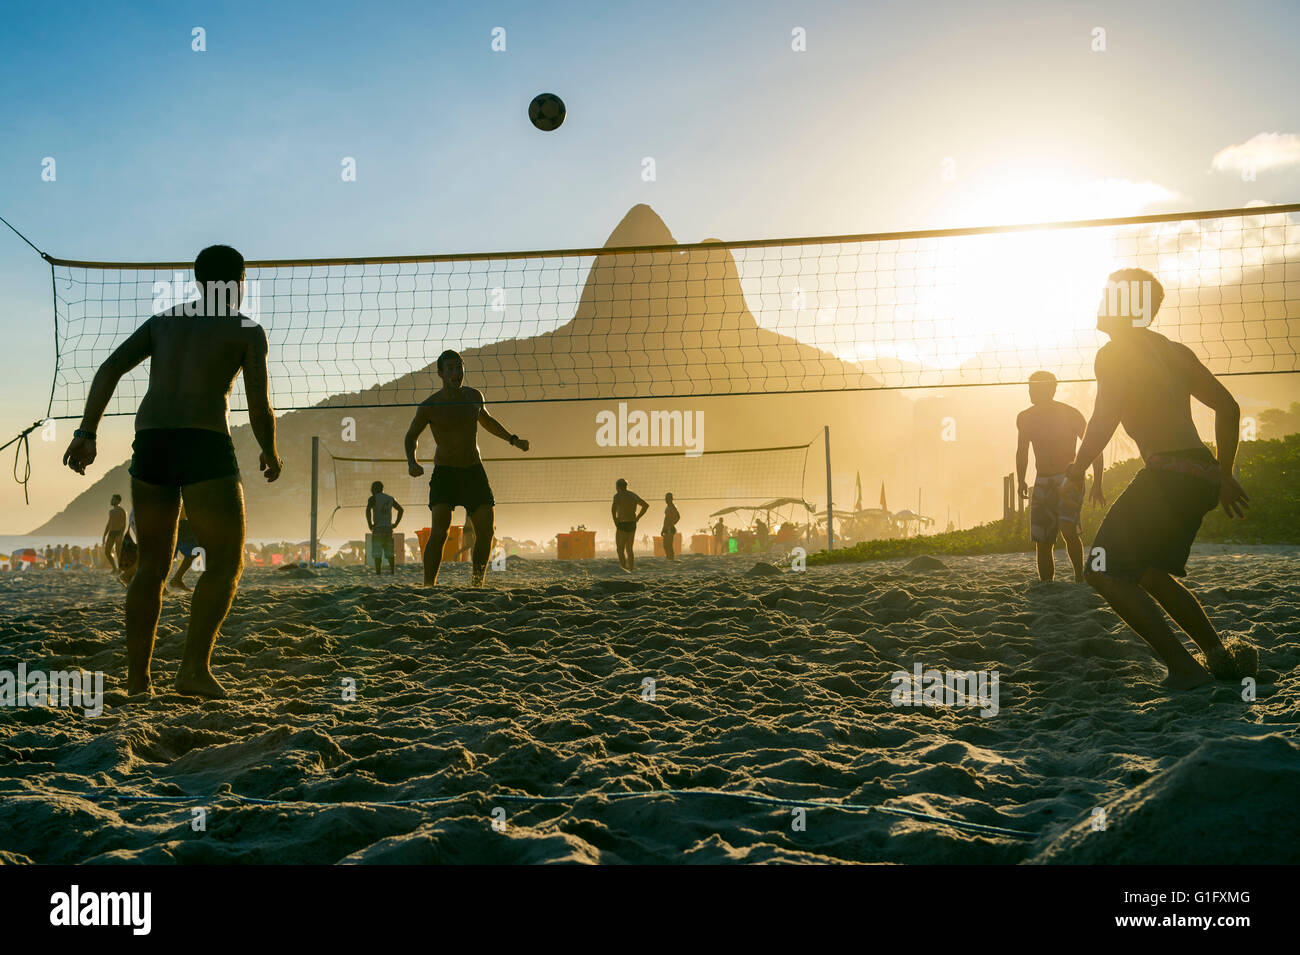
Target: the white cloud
pixel 1260 152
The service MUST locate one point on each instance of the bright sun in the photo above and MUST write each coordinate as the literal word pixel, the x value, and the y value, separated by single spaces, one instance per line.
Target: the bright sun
pixel 940 303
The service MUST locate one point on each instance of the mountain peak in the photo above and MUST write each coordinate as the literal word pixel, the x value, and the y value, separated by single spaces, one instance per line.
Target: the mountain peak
pixel 641 226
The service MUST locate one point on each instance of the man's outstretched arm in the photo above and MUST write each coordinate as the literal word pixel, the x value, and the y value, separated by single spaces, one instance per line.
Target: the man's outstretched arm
pixel 1101 428
pixel 261 417
pixel 492 426
pixel 1210 392
pixel 81 452
pixel 1022 456
pixel 418 423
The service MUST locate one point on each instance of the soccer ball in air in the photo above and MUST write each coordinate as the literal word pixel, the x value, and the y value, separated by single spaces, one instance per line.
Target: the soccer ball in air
pixel 546 111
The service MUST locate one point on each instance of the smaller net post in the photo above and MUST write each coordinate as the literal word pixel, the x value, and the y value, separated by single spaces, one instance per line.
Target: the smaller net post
pixel 315 461
pixel 830 508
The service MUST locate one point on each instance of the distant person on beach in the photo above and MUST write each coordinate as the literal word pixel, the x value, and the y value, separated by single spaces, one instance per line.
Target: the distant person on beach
pixel 467 539
pixel 183 449
pixel 380 520
pixel 453 414
pixel 113 532
pixel 187 548
pixel 1053 430
pixel 671 517
pixel 130 552
pixel 1146 382
pixel 720 537
pixel 627 508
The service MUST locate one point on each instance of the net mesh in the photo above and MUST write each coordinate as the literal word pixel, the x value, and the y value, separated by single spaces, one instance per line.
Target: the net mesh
pixel 755 474
pixel 929 309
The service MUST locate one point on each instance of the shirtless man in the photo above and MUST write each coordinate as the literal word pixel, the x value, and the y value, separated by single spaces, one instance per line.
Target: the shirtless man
pixel 624 509
pixel 453 414
pixel 182 448
pixel 114 531
pixel 671 517
pixel 1053 429
pixel 1146 382
pixel 380 520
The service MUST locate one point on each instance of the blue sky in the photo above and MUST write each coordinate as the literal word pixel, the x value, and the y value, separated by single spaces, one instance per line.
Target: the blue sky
pixel 161 150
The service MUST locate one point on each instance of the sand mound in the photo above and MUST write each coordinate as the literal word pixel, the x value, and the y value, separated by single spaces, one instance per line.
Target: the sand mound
pixel 925 562
pixel 293 572
pixel 763 569
pixel 1229 802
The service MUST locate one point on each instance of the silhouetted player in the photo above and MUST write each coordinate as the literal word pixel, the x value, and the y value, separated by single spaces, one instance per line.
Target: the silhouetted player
pixel 453 414
pixel 114 531
pixel 1053 429
pixel 1145 382
pixel 671 517
pixel 380 520
pixel 182 448
pixel 626 509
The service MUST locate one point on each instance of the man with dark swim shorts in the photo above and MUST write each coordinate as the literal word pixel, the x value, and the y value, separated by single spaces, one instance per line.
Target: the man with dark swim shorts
pixel 626 509
pixel 380 520
pixel 1052 429
pixel 453 414
pixel 182 449
pixel 1146 382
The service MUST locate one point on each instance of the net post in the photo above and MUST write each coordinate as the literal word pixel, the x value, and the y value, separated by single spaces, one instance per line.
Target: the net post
pixel 830 508
pixel 315 459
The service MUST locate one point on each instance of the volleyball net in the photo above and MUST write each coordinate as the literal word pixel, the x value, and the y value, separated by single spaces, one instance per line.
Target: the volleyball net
pixel 737 476
pixel 937 308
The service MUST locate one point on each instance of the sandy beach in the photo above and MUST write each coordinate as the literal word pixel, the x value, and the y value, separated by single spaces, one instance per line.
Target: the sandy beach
pixel 765 682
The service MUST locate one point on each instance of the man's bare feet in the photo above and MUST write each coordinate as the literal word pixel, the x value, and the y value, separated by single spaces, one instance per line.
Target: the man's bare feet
pixel 200 684
pixel 1235 661
pixel 138 685
pixel 1188 680
pixel 178 587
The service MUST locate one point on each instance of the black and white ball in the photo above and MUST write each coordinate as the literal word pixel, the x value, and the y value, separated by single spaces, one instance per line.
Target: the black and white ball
pixel 546 111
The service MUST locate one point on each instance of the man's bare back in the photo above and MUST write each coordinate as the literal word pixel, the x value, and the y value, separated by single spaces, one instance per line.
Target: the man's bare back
pixel 194 361
pixel 116 520
pixel 625 505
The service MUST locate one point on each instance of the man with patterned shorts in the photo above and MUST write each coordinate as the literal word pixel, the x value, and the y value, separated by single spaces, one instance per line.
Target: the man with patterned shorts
pixel 1053 429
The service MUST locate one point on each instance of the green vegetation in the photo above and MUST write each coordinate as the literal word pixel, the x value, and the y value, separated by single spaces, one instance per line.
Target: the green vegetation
pixel 1268 470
